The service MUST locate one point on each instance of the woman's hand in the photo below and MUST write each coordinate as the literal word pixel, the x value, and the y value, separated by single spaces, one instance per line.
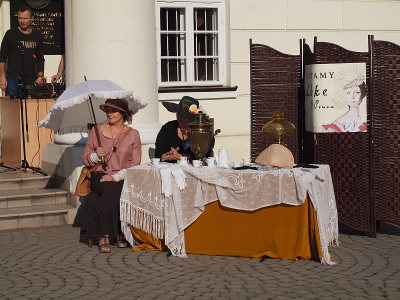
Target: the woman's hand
pixel 101 152
pixel 107 178
pixel 173 154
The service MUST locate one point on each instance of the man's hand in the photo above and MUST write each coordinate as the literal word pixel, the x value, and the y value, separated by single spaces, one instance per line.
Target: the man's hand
pixel 39 80
pixel 55 78
pixel 3 79
pixel 3 83
pixel 173 154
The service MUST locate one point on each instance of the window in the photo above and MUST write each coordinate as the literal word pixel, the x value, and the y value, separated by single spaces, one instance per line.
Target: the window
pixel 190 43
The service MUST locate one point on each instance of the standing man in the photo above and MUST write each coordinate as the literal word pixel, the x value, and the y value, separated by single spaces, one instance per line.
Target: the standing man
pixel 11 49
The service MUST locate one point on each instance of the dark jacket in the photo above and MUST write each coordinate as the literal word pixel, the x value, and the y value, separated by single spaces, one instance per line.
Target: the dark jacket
pixel 168 137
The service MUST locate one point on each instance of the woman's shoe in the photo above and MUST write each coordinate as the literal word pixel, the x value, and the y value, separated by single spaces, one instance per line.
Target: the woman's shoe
pixel 121 242
pixel 104 247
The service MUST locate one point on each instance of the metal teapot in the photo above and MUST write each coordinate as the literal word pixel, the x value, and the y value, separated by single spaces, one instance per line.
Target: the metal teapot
pixel 223 157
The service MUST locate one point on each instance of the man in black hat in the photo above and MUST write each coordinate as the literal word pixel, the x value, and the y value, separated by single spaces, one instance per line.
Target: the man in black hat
pixel 172 143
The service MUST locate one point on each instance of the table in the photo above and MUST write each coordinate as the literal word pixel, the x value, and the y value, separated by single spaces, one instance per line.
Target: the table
pixel 11 133
pixel 178 205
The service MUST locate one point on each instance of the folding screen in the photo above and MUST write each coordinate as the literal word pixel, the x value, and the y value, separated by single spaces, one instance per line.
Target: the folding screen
pixel 365 166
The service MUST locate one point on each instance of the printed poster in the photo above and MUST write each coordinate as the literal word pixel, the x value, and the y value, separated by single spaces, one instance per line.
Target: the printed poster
pixel 335 98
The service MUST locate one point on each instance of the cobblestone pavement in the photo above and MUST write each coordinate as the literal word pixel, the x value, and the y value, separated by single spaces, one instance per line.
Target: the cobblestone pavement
pixel 55 263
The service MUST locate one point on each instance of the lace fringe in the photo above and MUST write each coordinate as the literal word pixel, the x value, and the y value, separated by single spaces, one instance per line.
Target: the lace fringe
pixel 332 233
pixel 326 258
pixel 180 249
pixel 142 219
pixel 135 104
pixel 45 121
pixel 128 95
pixel 126 230
pixel 68 129
pixel 330 238
pixel 73 129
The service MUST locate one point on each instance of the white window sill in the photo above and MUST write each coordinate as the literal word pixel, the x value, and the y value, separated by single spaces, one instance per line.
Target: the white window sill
pixel 201 92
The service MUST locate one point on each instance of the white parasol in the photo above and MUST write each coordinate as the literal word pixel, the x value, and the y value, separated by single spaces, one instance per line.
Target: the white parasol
pixel 71 112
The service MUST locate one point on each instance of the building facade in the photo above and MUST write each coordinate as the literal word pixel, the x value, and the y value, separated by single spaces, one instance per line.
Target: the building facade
pixel 163 50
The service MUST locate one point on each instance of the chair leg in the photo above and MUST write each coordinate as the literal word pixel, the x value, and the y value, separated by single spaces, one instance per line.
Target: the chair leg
pixel 90 243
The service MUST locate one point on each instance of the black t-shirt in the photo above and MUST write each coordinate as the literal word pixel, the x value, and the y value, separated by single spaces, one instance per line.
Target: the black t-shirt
pixel 168 137
pixel 9 50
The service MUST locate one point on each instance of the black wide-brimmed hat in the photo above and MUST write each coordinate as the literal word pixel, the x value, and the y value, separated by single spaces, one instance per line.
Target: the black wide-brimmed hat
pixel 183 107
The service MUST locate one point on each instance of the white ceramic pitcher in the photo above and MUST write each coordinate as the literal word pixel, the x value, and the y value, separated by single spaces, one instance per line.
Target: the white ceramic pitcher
pixel 223 157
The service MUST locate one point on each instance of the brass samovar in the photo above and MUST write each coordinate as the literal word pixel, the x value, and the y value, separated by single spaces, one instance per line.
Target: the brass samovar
pixel 200 135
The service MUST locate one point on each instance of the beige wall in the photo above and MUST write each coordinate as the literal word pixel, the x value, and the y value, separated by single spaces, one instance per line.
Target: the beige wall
pixel 280 24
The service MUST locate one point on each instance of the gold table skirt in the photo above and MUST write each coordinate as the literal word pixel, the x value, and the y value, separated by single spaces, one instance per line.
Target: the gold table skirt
pixel 280 231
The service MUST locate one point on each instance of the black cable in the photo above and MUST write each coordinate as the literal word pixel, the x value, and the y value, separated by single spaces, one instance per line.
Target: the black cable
pixel 37 132
pixel 51 131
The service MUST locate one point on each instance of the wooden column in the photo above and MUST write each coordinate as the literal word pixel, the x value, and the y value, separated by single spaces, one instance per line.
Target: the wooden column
pixel 11 133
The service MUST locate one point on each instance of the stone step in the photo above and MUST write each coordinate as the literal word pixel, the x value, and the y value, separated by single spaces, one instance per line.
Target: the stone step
pixel 32 197
pixel 34 216
pixel 19 180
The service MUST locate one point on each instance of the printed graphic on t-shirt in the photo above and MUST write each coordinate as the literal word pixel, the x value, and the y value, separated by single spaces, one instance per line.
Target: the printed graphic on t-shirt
pixel 29 44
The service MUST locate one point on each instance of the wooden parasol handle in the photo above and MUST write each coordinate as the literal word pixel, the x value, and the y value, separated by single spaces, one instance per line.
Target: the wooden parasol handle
pixel 104 158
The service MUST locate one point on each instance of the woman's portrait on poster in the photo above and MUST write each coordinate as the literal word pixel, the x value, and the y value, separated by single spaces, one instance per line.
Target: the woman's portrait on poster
pixel 354 93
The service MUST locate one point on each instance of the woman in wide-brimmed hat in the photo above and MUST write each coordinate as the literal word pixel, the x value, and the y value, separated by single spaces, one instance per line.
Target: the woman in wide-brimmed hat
pixel 172 143
pixel 121 145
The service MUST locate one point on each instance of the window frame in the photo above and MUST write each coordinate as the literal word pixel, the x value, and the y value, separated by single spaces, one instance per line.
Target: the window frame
pixel 189 7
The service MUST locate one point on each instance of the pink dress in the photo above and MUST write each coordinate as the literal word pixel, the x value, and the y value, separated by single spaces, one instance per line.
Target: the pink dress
pixel 100 214
pixel 358 125
pixel 128 153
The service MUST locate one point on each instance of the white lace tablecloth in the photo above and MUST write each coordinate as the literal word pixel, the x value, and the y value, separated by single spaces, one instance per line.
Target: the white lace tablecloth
pixel 165 199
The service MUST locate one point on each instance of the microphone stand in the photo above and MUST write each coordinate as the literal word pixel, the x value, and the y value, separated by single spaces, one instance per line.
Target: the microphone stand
pixel 23 48
pixel 25 164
